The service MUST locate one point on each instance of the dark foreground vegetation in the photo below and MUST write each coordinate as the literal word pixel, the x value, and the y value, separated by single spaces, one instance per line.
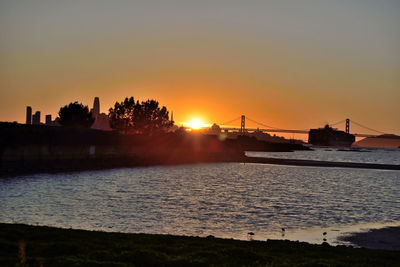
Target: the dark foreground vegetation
pixel 22 245
pixel 39 148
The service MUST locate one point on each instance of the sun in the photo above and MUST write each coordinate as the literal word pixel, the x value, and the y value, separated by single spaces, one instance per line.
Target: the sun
pixel 195 124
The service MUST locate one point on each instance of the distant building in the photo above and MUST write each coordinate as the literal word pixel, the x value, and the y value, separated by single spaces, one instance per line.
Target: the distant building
pixel 96 107
pixel 101 120
pixel 28 115
pixel 36 118
pixel 48 120
pixel 56 122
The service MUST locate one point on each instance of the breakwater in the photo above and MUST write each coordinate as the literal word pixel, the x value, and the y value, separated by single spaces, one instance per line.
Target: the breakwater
pixel 32 159
pixel 318 163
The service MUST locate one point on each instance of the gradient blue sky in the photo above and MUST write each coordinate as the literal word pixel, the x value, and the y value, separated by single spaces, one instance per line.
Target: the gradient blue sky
pixel 290 64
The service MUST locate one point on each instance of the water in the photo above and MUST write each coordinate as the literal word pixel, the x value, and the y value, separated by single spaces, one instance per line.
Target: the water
pixel 225 200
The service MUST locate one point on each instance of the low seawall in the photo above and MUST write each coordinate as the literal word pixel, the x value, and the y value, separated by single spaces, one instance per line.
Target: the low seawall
pixel 317 163
pixel 45 158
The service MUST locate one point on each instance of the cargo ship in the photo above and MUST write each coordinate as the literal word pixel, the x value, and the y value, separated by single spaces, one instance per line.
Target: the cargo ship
pixel 329 136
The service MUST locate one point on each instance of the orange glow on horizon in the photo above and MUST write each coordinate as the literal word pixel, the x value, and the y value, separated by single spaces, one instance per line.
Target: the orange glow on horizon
pixel 195 124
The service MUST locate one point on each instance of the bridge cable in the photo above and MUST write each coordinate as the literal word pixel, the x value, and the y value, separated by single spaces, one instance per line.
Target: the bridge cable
pixel 365 127
pixel 339 122
pixel 262 124
pixel 229 122
pixel 275 128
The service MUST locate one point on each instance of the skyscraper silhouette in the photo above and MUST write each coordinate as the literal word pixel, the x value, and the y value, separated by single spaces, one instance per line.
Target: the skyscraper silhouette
pixel 28 115
pixel 36 118
pixel 48 120
pixel 101 121
pixel 96 107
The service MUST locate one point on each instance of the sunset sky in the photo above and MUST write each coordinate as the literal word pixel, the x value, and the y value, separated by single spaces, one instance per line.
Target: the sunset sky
pixel 289 64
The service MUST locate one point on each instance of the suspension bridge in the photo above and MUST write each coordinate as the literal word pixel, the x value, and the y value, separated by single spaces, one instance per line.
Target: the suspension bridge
pixel 270 129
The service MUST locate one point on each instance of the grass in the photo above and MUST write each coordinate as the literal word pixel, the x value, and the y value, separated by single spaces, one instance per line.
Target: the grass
pixel 23 245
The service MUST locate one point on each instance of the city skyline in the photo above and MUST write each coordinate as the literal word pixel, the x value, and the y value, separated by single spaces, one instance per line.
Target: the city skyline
pixel 288 64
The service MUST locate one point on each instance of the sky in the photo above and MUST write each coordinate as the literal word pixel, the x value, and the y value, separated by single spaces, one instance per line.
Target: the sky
pixel 290 64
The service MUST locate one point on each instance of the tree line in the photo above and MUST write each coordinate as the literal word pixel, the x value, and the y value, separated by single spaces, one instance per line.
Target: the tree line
pixel 127 116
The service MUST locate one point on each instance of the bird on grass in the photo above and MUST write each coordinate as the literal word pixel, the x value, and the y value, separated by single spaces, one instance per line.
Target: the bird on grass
pixel 283 232
pixel 324 234
pixel 250 235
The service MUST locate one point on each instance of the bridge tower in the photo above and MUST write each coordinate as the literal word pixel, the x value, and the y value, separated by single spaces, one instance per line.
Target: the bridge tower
pixel 347 125
pixel 243 124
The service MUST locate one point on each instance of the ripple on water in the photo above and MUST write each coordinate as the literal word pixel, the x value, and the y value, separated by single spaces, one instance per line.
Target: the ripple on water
pixel 225 200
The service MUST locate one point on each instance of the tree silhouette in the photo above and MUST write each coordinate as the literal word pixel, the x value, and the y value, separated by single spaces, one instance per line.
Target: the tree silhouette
pixel 121 116
pixel 75 115
pixel 145 117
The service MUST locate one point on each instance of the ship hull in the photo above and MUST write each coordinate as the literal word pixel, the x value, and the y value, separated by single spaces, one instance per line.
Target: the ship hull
pixel 330 137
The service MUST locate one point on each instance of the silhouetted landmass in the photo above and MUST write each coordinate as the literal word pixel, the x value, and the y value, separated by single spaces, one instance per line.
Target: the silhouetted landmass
pixel 251 143
pixel 39 148
pixel 23 245
pixel 385 140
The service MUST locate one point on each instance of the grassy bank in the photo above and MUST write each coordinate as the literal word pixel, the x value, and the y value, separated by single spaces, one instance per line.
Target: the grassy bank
pixel 35 245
